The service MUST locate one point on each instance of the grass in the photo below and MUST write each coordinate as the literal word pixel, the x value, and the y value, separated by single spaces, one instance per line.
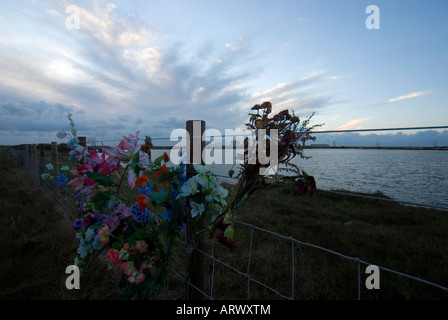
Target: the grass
pixel 407 239
pixel 38 244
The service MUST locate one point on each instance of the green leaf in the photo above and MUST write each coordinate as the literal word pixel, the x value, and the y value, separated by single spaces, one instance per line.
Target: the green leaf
pixel 101 198
pixel 158 161
pixel 159 198
pixel 101 179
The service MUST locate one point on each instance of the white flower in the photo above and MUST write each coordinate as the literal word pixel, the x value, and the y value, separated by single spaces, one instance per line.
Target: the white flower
pixel 203 180
pixel 189 187
pixel 50 166
pixel 207 170
pixel 45 176
pixel 196 208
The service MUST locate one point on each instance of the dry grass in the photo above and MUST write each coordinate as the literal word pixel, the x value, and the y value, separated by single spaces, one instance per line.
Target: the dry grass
pixel 38 244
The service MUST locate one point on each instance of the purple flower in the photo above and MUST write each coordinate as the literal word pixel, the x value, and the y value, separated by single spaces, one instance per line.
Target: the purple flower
pixel 78 224
pixel 112 223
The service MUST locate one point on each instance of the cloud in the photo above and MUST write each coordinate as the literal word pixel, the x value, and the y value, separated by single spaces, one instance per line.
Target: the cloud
pixel 352 124
pixel 296 94
pixel 117 74
pixel 408 96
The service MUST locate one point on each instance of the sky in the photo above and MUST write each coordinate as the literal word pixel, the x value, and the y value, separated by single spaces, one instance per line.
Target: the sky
pixel 123 66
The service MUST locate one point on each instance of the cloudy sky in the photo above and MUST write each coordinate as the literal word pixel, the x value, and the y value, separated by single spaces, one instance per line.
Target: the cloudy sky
pixel 123 66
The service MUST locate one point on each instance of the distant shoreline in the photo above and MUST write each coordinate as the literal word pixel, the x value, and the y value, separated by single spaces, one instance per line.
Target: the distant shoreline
pixel 387 148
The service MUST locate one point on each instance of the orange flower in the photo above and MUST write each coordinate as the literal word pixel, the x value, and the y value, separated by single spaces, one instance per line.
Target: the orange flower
pixel 141 201
pixel 142 181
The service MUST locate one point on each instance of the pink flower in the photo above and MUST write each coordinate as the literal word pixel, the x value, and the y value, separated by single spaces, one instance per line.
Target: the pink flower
pixel 80 182
pixel 103 235
pixel 141 246
pixel 136 277
pixel 140 278
pixel 128 268
pixel 126 149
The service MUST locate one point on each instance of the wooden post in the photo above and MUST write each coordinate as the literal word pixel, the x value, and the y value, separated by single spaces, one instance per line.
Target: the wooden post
pixel 54 156
pixel 82 141
pixel 27 155
pixel 35 163
pixel 195 259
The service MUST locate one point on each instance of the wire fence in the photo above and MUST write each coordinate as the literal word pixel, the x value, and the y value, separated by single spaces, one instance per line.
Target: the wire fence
pixel 290 265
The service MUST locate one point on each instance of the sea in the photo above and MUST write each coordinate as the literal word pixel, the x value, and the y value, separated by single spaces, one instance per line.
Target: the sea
pixel 417 177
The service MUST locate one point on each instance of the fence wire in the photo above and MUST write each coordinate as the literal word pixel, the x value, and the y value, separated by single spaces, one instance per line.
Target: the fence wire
pixel 66 199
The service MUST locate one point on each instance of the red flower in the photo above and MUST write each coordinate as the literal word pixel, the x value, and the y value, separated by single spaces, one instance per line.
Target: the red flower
pixel 165 157
pixel 141 201
pixel 161 171
pixel 142 181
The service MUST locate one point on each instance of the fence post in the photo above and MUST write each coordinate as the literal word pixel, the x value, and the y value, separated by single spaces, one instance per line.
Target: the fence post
pixel 27 155
pixel 54 156
pixel 34 157
pixel 41 159
pixel 82 141
pixel 195 259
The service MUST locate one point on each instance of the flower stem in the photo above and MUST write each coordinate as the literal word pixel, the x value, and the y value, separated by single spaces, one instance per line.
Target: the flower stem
pixel 121 180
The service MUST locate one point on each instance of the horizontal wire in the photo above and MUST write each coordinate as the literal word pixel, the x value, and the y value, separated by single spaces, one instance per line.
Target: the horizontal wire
pixel 313 132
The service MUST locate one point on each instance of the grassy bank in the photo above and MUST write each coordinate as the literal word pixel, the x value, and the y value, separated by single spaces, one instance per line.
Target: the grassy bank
pixel 38 243
pixel 407 239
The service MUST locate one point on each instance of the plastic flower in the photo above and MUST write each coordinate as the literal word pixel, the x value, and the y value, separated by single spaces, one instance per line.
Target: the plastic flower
pixel 123 211
pixel 141 201
pixel 190 187
pixel 126 148
pixel 61 179
pixel 168 216
pixel 162 170
pixel 146 191
pixel 113 256
pixel 124 252
pixel 77 224
pixel 203 180
pixel 142 181
pixel 207 170
pixel 112 223
pixel 72 142
pixel 103 235
pixel 86 220
pixel 196 208
pixel 140 216
pixel 141 246
pixel 82 251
